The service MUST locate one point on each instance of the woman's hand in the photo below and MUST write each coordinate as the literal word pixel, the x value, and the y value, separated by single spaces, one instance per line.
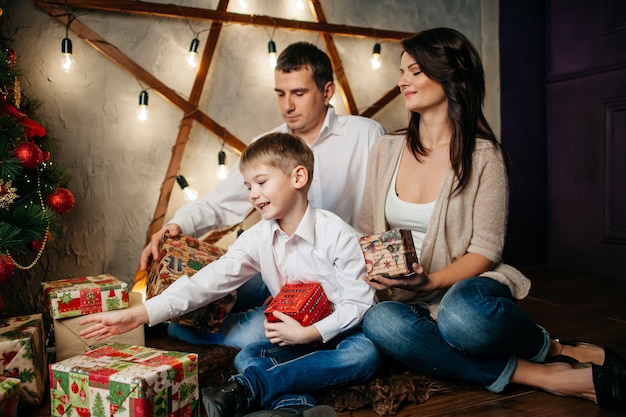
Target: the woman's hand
pixel 417 281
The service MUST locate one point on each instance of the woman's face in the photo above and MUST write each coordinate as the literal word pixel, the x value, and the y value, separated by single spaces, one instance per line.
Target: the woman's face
pixel 421 94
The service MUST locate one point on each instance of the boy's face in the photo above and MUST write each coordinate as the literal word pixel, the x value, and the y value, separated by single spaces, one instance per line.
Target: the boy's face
pixel 301 104
pixel 270 190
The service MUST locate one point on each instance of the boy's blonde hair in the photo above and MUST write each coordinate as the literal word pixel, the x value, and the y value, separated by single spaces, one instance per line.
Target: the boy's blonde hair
pixel 281 150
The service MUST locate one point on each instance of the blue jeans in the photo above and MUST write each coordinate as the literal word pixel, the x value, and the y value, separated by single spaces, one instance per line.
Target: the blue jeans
pixel 283 376
pixel 244 324
pixel 479 333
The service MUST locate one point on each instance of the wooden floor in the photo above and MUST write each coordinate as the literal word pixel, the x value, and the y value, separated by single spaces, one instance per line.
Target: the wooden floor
pixel 570 306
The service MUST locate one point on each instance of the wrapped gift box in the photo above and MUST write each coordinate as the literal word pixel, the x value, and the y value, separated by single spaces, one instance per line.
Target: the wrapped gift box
pixel 389 254
pixel 24 355
pixel 184 255
pixel 85 295
pixel 9 396
pixel 68 343
pixel 306 303
pixel 126 381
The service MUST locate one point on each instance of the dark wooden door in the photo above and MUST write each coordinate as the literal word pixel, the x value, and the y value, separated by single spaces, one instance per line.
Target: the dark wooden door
pixel 586 134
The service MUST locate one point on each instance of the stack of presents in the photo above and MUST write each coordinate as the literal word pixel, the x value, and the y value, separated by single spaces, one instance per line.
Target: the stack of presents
pixel 121 376
pixel 118 376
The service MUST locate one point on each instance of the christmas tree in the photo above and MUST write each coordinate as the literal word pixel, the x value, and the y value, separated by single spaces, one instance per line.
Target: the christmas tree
pixel 33 187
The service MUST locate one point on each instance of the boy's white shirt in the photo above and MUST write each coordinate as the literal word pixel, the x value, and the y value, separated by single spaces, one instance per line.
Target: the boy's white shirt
pixel 323 249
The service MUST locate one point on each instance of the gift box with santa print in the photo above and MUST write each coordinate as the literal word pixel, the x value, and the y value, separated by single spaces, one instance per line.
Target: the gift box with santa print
pixel 85 295
pixel 126 381
pixel 184 255
pixel 24 355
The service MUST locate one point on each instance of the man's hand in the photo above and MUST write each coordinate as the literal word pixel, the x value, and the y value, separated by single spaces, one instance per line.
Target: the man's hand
pixel 152 249
pixel 289 331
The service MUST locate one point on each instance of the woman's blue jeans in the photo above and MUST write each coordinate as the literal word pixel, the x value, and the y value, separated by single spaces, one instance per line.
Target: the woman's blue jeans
pixel 479 333
pixel 283 376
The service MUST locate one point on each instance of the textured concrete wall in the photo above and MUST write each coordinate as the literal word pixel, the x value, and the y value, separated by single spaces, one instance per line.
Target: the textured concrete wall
pixel 118 164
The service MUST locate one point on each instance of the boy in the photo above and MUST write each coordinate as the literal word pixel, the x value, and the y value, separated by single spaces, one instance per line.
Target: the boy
pixel 304 87
pixel 294 243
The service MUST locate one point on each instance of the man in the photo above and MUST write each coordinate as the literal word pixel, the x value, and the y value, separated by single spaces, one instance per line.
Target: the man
pixel 304 87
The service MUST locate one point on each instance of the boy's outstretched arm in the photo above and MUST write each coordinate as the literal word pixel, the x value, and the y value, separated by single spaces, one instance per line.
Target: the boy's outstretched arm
pixel 115 322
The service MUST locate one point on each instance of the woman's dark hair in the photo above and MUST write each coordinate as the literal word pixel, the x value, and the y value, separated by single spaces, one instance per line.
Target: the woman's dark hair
pixel 303 54
pixel 447 56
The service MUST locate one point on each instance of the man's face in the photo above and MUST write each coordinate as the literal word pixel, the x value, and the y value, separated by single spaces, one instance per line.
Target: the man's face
pixel 301 104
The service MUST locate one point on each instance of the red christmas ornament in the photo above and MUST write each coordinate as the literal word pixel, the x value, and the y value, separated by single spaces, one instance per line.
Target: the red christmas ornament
pixel 7 268
pixel 29 154
pixel 36 245
pixel 61 200
pixel 46 156
pixel 11 58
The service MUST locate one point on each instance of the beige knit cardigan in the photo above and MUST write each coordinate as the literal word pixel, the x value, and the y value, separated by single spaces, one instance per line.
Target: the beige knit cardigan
pixel 473 220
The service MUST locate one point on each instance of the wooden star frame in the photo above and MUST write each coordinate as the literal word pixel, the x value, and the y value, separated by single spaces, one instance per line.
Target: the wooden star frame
pixel 65 12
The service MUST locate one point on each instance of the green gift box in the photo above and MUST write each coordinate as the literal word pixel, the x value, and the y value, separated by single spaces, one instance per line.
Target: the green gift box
pixel 24 355
pixel 9 396
pixel 126 381
pixel 80 296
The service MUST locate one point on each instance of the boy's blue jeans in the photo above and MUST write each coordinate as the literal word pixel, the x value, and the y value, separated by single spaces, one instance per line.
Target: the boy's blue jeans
pixel 244 325
pixel 479 333
pixel 283 376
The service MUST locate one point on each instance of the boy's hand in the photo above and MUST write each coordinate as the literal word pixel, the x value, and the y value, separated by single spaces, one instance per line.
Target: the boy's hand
pixel 115 322
pixel 289 331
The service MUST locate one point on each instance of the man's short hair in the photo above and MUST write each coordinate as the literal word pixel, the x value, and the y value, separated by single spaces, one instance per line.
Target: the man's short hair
pixel 281 150
pixel 304 54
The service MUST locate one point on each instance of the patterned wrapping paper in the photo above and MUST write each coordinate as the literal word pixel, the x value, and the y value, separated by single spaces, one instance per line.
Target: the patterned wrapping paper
pixel 74 297
pixel 9 396
pixel 184 255
pixel 126 381
pixel 24 356
pixel 306 303
pixel 389 254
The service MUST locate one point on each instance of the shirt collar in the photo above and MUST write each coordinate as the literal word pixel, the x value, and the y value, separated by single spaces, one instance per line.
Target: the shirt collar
pixel 306 228
pixel 330 125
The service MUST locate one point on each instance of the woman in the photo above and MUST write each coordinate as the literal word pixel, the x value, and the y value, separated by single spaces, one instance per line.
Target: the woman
pixel 446 178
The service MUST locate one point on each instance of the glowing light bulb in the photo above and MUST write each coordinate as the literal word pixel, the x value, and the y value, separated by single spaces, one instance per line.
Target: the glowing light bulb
pixel 299 4
pixel 67 61
pixel 375 61
pixel 192 55
pixel 271 50
pixel 190 193
pixel 222 169
pixel 243 4
pixel 142 110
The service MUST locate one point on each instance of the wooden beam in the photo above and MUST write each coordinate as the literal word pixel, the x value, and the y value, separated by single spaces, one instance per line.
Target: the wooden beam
pixel 382 102
pixel 344 86
pixel 185 127
pixel 114 54
pixel 185 12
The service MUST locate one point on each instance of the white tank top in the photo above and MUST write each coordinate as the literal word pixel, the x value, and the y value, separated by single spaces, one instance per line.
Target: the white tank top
pixel 404 215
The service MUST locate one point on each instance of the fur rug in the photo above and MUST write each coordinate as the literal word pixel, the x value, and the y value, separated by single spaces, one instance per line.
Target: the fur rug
pixel 387 391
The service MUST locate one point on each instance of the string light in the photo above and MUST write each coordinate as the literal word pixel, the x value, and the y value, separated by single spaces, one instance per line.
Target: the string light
pixel 142 110
pixel 192 55
pixel 222 169
pixel 271 51
pixel 375 58
pixel 190 193
pixel 67 61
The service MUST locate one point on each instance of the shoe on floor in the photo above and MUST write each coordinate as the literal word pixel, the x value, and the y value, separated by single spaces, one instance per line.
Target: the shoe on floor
pixel 302 411
pixel 224 401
